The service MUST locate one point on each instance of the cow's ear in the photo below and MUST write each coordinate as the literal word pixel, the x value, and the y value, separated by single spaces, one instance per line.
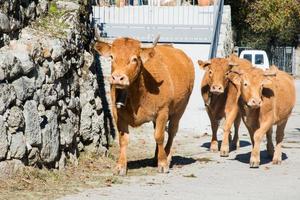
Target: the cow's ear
pixel 103 48
pixel 234 78
pixel 204 64
pixel 232 64
pixel 146 54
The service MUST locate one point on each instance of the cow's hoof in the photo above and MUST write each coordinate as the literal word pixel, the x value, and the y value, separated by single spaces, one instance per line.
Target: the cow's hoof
pixel 254 163
pixel 224 152
pixel 121 170
pixel 276 161
pixel 162 168
pixel 214 147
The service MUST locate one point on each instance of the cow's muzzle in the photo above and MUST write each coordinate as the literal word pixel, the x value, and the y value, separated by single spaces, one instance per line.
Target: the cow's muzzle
pixel 217 89
pixel 121 81
pixel 254 102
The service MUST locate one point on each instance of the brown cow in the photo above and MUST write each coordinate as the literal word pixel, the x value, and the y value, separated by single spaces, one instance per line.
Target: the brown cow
pixel 267 98
pixel 221 99
pixel 159 81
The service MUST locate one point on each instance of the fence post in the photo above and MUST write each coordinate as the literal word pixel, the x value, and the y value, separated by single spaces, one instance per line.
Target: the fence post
pixel 216 28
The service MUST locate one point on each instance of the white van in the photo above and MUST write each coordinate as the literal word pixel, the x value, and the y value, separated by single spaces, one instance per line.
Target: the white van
pixel 258 58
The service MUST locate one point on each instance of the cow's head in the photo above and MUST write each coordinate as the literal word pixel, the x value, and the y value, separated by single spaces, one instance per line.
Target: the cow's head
pixel 128 56
pixel 254 84
pixel 217 70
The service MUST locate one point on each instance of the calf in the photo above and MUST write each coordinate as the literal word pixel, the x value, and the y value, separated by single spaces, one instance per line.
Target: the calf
pixel 221 98
pixel 158 81
pixel 267 98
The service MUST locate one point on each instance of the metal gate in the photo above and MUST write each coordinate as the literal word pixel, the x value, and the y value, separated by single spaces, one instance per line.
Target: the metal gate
pixel 189 24
pixel 283 57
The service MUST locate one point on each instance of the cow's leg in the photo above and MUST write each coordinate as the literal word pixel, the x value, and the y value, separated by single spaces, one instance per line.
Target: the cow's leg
pixel 214 127
pixel 172 130
pixel 159 135
pixel 266 123
pixel 279 137
pixel 156 148
pixel 236 141
pixel 229 120
pixel 123 142
pixel 270 146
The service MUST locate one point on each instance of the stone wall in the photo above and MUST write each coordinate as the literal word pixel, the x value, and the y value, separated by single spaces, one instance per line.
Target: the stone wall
pixel 51 102
pixel 16 14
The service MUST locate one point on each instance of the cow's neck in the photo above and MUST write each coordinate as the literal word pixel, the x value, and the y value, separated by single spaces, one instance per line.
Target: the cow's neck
pixel 137 91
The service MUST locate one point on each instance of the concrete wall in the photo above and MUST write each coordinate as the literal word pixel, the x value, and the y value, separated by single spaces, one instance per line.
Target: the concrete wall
pixel 297 61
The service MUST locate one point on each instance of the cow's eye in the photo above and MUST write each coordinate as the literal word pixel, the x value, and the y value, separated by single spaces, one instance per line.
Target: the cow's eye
pixel 111 57
pixel 245 84
pixel 134 59
pixel 210 72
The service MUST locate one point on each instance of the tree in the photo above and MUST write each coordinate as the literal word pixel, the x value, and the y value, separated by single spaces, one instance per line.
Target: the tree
pixel 266 23
pixel 278 21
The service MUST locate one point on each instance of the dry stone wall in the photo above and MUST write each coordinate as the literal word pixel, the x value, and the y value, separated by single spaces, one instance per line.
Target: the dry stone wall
pixel 51 107
pixel 16 14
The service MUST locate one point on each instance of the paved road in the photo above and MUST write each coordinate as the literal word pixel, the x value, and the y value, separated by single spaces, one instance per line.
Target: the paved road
pixel 197 173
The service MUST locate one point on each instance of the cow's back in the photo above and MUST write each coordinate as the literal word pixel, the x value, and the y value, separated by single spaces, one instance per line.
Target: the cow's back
pixel 181 71
pixel 285 95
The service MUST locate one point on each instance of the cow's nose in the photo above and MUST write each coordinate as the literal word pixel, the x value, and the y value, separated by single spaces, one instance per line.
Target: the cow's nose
pixel 217 89
pixel 254 102
pixel 119 79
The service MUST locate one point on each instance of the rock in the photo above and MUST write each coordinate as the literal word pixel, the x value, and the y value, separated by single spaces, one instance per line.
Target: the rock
pixel 98 104
pixel 48 95
pixel 40 77
pixel 4 23
pixel 97 123
pixel 87 93
pixel 69 129
pixel 30 11
pixel 32 123
pixel 9 168
pixel 86 122
pixel 10 66
pixel 50 136
pixel 21 52
pixel 16 119
pixel 33 156
pixel 24 87
pixel 18 145
pixel 26 64
pixel 7 96
pixel 42 7
pixel 67 5
pixel 15 24
pixel 62 161
pixel 3 139
pixel 66 133
pixel 58 49
pixel 60 69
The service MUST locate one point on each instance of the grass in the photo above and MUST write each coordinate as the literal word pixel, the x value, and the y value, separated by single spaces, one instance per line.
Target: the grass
pixel 92 171
pixel 53 24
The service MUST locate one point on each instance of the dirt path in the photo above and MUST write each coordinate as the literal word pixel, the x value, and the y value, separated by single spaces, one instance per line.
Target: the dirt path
pixel 197 173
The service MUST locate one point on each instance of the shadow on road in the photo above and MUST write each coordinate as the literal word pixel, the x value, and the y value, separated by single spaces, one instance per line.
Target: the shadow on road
pixel 243 143
pixel 149 162
pixel 264 157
